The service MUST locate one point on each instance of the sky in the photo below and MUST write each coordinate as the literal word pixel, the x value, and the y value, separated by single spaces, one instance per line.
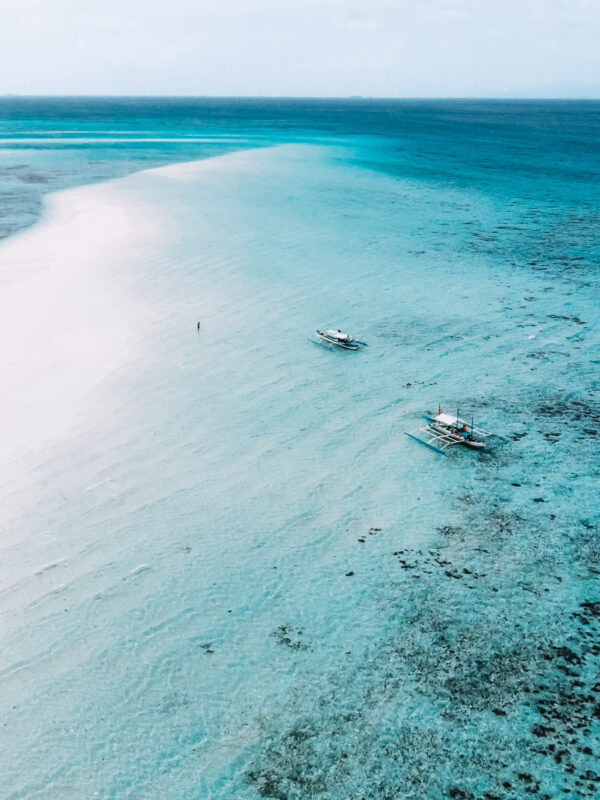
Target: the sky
pixel 335 48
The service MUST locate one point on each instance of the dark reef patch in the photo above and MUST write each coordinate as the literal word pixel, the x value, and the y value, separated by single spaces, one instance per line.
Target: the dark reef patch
pixel 289 636
pixel 576 320
pixel 569 409
pixel 448 704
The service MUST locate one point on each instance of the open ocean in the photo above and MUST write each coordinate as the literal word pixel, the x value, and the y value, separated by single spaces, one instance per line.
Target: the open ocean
pixel 225 572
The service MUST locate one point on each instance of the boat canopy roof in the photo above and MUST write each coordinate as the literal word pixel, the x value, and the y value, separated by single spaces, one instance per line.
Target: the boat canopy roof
pixel 447 419
pixel 337 334
pixel 458 422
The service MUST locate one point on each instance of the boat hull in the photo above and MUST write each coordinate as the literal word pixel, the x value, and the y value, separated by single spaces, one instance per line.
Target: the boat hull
pixel 337 343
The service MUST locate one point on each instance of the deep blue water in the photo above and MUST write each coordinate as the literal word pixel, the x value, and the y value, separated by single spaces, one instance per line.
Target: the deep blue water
pixel 513 148
pixel 226 572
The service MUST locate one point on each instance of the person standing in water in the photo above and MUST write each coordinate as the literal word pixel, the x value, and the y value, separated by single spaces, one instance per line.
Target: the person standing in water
pixel 198 326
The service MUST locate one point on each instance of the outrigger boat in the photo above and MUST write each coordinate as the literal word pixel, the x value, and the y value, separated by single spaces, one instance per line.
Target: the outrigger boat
pixel 445 430
pixel 339 339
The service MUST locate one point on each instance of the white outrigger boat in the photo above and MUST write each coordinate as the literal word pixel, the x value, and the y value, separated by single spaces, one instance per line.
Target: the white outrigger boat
pixel 445 430
pixel 339 339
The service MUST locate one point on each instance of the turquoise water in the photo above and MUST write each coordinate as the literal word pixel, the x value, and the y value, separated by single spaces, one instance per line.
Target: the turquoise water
pixel 226 572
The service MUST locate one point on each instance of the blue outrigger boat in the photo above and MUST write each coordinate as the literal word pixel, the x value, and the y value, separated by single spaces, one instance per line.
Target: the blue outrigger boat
pixel 445 430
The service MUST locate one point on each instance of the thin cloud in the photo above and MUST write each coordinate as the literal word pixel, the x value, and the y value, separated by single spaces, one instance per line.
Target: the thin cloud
pixel 299 47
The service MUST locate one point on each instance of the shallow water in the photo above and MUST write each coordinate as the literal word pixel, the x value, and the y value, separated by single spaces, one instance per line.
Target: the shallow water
pixel 231 574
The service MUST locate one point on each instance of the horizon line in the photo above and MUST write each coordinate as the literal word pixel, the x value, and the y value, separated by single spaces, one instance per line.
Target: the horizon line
pixel 357 97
